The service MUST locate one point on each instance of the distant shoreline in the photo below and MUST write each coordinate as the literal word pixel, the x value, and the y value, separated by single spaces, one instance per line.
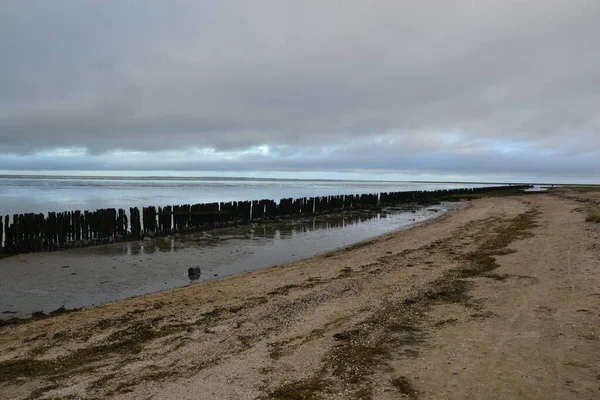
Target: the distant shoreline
pixel 253 179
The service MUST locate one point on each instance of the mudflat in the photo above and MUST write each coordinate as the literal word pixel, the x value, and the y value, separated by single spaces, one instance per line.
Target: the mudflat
pixel 500 300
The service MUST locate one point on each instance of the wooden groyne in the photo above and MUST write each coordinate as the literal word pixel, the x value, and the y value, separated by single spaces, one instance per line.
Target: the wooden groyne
pixel 26 233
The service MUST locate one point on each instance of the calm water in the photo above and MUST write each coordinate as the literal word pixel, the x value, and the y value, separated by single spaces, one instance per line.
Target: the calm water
pixel 82 277
pixel 21 194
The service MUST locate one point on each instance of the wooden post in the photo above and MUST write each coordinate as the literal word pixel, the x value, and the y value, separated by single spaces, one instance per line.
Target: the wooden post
pixel 36 233
pixel 78 225
pixel 7 239
pixel 17 242
pixel 27 232
pixel 136 227
pixel 169 219
pixel 86 225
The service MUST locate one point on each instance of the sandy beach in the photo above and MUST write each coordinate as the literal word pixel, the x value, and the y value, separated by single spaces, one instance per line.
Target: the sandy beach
pixel 500 300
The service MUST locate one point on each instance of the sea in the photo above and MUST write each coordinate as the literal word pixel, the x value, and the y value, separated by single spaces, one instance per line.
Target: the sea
pixel 42 194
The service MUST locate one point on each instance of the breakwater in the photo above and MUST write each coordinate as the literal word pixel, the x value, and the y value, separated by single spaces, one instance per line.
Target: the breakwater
pixel 37 232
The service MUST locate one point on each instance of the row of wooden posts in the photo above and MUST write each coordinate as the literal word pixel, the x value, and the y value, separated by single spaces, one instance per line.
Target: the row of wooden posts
pixel 24 233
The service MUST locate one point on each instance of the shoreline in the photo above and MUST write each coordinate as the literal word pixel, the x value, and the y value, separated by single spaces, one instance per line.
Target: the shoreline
pixel 429 312
pixel 164 261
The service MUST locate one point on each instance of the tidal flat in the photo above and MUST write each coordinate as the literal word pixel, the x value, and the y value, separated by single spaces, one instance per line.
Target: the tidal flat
pixel 44 282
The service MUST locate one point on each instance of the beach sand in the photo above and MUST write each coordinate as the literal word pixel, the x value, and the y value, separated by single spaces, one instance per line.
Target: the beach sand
pixel 500 300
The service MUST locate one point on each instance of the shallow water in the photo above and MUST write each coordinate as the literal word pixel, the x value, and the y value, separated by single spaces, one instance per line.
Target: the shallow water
pixel 83 277
pixel 41 194
pixel 537 188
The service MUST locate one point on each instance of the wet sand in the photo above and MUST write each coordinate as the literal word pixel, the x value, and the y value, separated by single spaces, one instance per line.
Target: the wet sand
pixel 43 282
pixel 499 300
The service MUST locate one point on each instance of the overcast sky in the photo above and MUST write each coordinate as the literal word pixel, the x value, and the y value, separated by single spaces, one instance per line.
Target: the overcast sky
pixel 423 88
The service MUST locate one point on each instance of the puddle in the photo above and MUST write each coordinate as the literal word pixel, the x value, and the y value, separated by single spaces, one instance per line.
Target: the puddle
pixel 538 188
pixel 84 277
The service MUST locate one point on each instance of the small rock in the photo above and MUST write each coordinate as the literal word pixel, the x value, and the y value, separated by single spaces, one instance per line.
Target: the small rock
pixel 65 266
pixel 194 273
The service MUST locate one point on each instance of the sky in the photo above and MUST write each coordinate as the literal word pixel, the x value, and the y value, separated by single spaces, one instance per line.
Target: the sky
pixel 425 89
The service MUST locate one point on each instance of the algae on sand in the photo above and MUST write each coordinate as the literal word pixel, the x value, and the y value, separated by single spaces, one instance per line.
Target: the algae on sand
pixel 403 385
pixel 593 217
pixel 395 328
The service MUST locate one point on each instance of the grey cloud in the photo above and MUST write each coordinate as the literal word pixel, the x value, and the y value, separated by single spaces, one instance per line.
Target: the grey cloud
pixel 147 76
pixel 357 157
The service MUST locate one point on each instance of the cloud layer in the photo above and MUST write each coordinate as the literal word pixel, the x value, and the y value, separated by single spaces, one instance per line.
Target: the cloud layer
pixel 510 87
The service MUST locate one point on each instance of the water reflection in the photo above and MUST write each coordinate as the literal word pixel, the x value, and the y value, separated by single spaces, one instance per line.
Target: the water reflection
pixel 264 231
